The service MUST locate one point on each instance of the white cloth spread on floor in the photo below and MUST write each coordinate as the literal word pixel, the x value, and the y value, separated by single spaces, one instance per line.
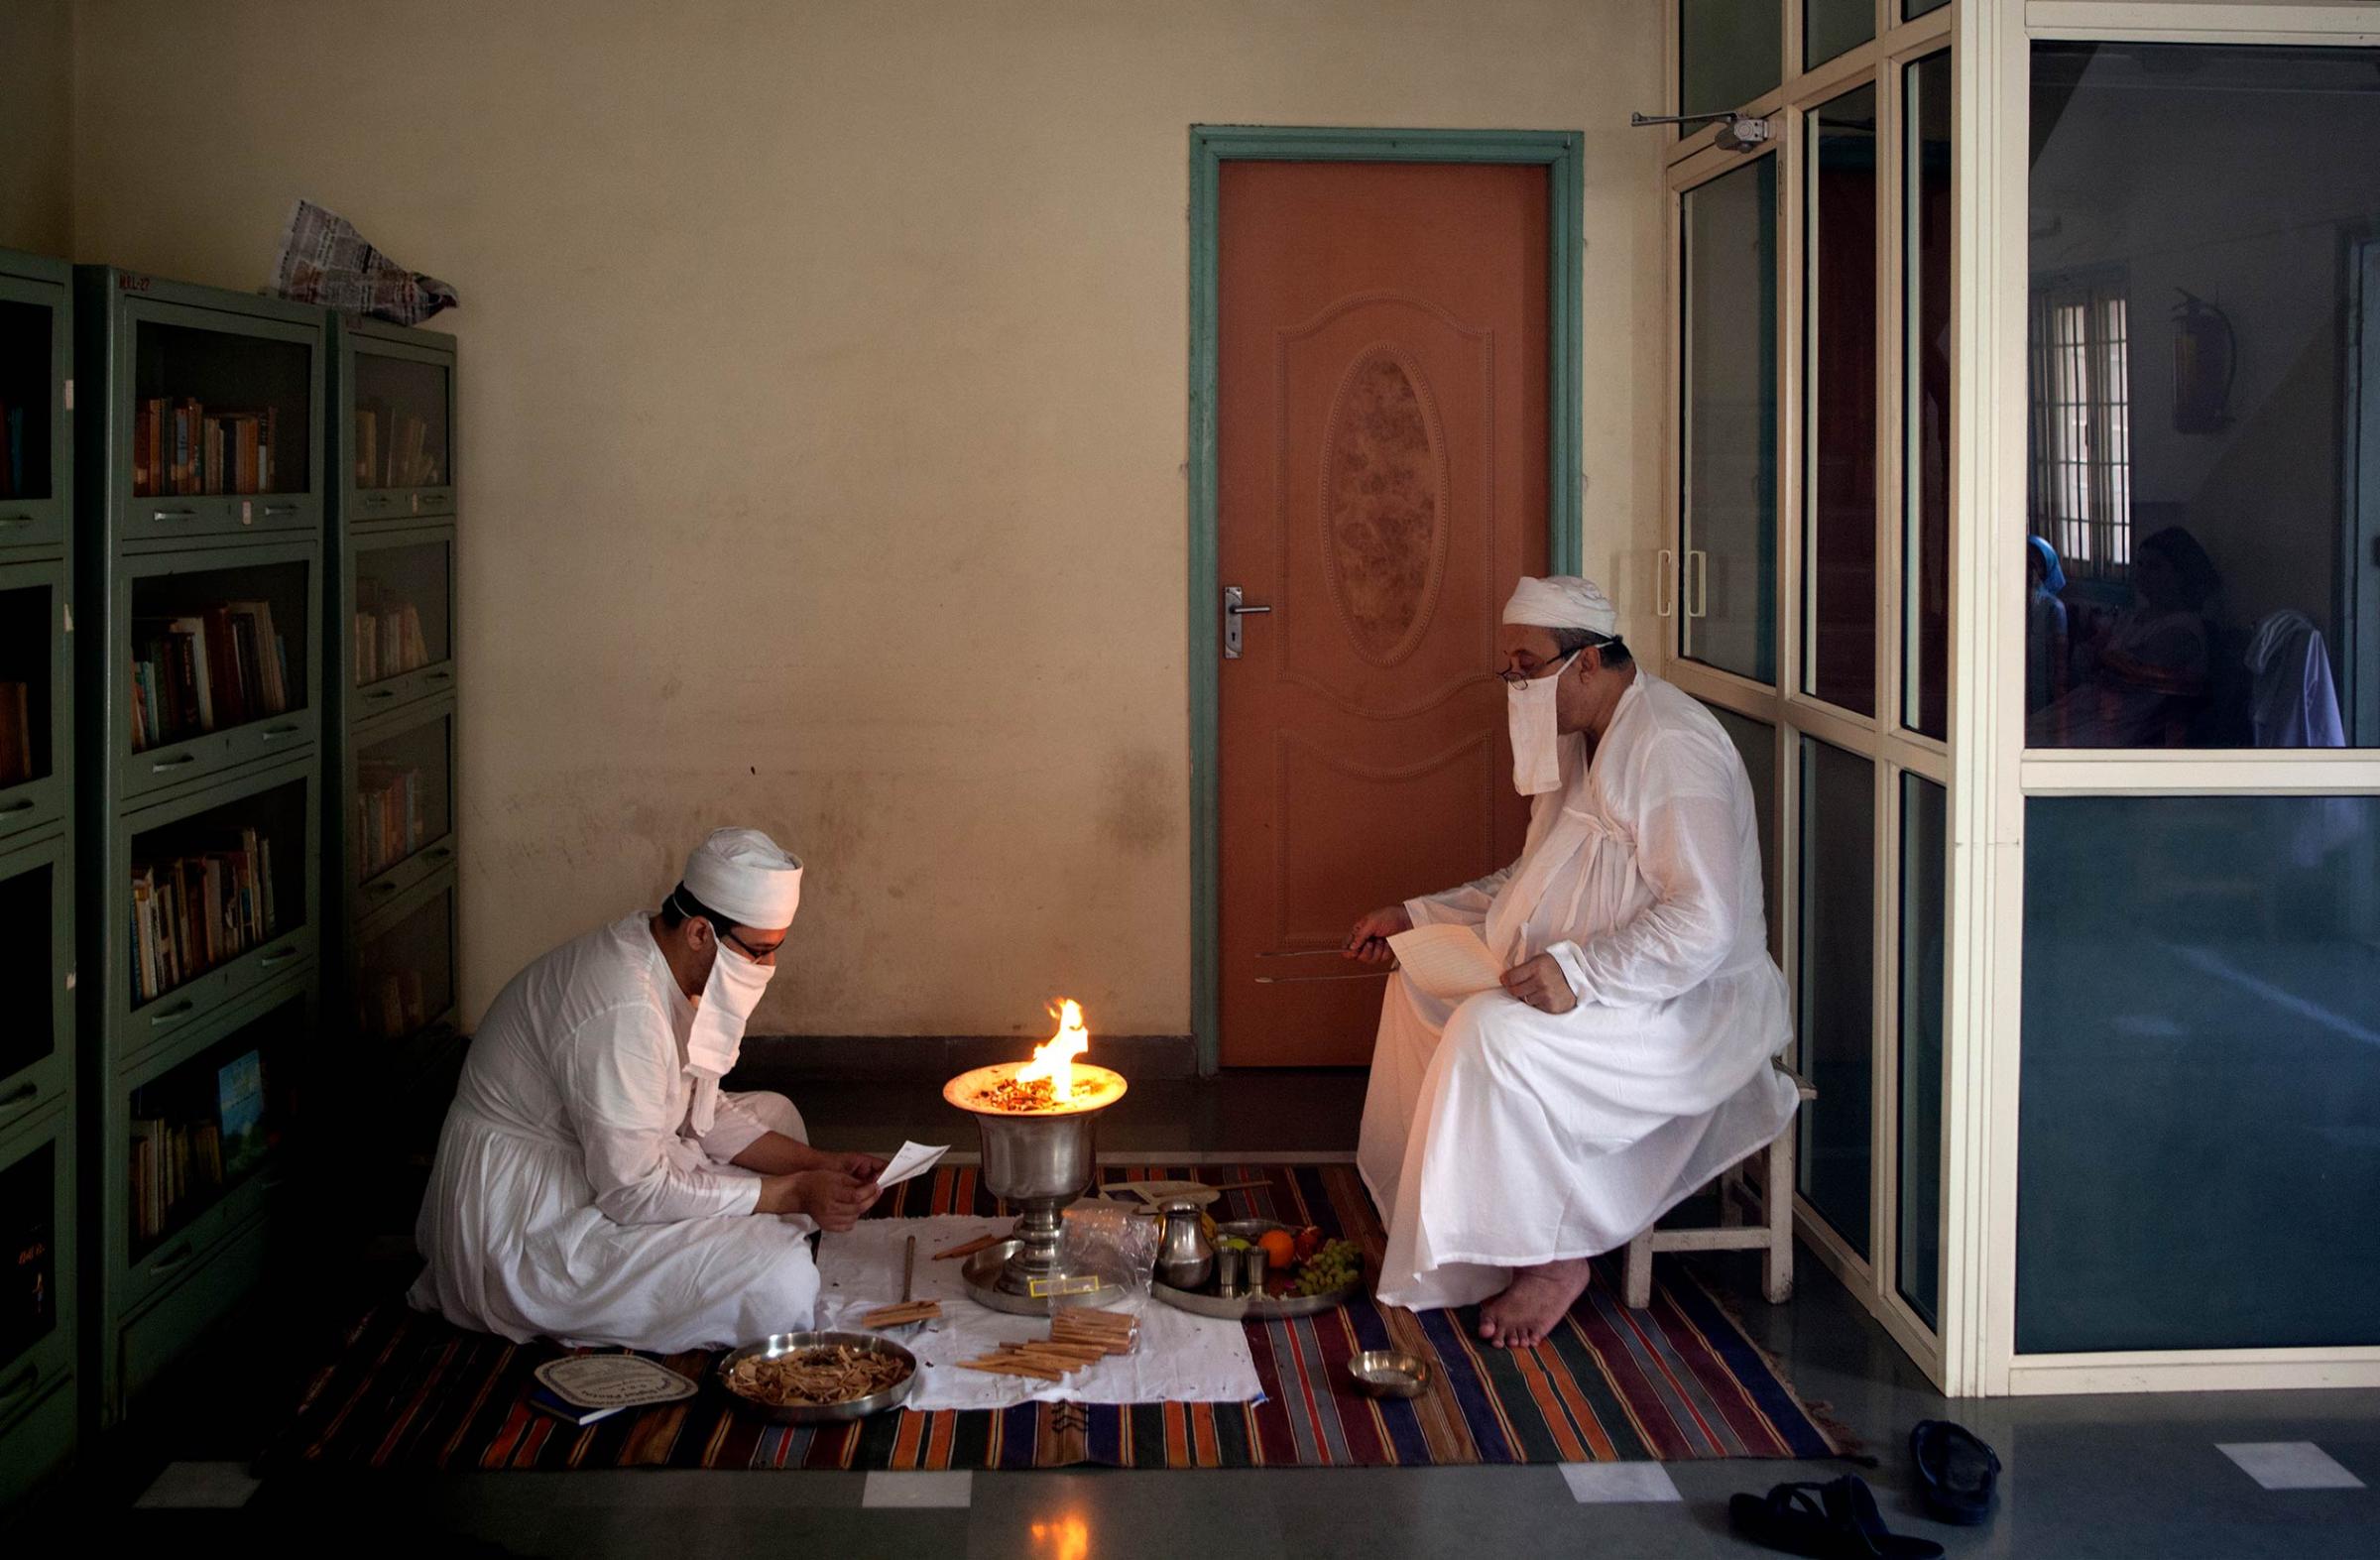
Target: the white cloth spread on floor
pixel 1498 1137
pixel 1181 1357
pixel 571 1198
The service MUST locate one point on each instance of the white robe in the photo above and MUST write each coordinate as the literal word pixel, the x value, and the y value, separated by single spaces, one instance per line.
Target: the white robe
pixel 1500 1136
pixel 571 1198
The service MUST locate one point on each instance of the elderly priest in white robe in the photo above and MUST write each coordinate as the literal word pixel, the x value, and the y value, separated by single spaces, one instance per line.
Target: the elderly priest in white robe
pixel 1518 1134
pixel 593 1183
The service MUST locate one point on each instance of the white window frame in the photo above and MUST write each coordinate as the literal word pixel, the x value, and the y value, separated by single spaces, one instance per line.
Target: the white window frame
pixel 1995 774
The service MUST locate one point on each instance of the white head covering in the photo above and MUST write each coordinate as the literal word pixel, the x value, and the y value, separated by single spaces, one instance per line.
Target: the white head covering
pixel 740 873
pixel 1562 601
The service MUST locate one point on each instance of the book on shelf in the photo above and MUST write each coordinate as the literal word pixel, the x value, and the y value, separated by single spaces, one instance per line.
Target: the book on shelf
pixel 179 449
pixel 390 1004
pixel 387 816
pixel 192 912
pixel 203 671
pixel 388 641
pixel 28 1224
pixel 393 449
pixel 240 1112
pixel 174 1162
pixel 16 733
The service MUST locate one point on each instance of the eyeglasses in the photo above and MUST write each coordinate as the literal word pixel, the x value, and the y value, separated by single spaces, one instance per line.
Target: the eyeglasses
pixel 1520 680
pixel 756 955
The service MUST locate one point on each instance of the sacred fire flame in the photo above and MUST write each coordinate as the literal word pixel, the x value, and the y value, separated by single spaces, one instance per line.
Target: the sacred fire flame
pixel 1055 1057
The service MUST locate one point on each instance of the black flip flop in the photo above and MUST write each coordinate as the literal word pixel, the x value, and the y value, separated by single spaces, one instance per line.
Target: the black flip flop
pixel 1958 1474
pixel 1828 1521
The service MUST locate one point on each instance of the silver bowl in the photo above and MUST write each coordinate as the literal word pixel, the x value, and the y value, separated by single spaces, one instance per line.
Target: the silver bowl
pixel 779 1344
pixel 1389 1373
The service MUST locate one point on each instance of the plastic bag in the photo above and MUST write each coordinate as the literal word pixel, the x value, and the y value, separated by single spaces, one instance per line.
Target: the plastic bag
pixel 1113 1240
pixel 325 260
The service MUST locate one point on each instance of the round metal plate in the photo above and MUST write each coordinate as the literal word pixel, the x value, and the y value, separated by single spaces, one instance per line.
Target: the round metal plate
pixel 777 1344
pixel 981 1274
pixel 1266 1307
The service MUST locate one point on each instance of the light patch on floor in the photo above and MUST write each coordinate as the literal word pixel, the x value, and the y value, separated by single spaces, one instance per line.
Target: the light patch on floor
pixel 1618 1484
pixel 2289 1464
pixel 184 1486
pixel 919 1491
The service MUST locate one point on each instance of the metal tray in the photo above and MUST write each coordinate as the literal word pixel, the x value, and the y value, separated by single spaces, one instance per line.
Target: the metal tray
pixel 820 1413
pixel 1264 1309
pixel 981 1276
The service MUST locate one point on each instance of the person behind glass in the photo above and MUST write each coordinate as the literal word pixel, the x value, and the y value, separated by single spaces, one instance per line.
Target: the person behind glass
pixel 2140 682
pixel 2044 626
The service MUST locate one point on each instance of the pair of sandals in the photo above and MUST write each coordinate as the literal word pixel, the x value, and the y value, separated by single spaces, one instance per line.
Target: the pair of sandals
pixel 1958 1475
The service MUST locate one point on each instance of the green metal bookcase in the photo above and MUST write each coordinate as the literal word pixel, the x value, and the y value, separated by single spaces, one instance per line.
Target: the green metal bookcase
pixel 41 1389
pixel 146 1301
pixel 390 916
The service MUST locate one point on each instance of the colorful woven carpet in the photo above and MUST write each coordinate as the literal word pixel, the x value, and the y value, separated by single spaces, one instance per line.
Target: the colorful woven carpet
pixel 1676 1382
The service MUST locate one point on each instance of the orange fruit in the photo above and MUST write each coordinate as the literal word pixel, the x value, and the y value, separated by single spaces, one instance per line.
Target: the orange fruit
pixel 1280 1249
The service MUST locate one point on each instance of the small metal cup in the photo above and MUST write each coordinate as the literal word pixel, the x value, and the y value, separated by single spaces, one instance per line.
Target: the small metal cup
pixel 1227 1271
pixel 1251 1267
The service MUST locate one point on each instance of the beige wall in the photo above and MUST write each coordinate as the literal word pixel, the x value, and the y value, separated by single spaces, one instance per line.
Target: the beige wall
pixel 37 54
pixel 824 404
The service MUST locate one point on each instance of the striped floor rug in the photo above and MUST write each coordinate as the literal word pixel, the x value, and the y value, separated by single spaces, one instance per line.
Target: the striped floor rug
pixel 1676 1382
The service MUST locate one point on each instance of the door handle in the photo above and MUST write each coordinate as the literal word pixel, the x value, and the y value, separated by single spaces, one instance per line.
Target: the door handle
pixel 1698 583
pixel 1665 585
pixel 1233 609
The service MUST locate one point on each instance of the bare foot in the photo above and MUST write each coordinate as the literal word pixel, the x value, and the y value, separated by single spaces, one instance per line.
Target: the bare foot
pixel 1534 1302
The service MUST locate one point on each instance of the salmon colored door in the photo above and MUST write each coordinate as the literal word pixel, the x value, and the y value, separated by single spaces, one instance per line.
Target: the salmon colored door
pixel 1381 484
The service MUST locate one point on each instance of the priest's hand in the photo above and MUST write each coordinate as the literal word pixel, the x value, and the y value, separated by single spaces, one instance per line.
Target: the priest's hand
pixel 867 1167
pixel 1542 983
pixel 833 1199
pixel 1369 939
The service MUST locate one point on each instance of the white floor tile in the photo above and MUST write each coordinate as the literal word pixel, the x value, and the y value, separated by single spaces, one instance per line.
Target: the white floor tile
pixel 185 1485
pixel 2289 1464
pixel 920 1491
pixel 1615 1483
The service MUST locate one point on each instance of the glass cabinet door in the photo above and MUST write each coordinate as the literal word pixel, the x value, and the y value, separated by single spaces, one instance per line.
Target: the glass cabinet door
pixel 35 955
pixel 399 440
pixel 216 889
pixel 400 642
pixel 32 1238
pixel 402 803
pixel 1728 480
pixel 32 656
pixel 32 361
pixel 405 970
pixel 216 649
pixel 221 409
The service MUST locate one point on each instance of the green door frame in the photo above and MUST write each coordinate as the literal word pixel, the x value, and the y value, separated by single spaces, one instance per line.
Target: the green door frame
pixel 1558 152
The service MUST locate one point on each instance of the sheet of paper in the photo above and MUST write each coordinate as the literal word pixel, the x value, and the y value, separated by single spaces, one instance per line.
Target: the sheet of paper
pixel 1448 961
pixel 914 1159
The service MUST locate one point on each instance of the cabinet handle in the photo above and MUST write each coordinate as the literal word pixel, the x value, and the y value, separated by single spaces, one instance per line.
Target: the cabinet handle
pixel 20 1099
pixel 174 513
pixel 280 508
pixel 382 693
pixel 23 1384
pixel 20 804
pixel 438 853
pixel 276 733
pixel 163 765
pixel 380 888
pixel 271 959
pixel 12 522
pixel 173 1015
pixel 439 676
pixel 180 1258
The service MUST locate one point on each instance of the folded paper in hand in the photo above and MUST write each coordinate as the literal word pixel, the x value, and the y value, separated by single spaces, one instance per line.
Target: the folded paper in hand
pixel 914 1159
pixel 1446 961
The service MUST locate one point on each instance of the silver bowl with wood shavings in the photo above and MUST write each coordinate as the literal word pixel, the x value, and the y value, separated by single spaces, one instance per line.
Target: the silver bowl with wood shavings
pixel 1389 1373
pixel 779 1345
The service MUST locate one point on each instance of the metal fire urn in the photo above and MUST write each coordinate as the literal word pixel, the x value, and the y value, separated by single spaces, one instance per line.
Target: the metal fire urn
pixel 1039 1160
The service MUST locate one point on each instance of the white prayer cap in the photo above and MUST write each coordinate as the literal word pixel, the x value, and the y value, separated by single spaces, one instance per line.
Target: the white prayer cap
pixel 1562 601
pixel 740 873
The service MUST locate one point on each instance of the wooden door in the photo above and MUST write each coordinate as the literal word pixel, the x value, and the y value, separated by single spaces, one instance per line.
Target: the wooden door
pixel 1382 465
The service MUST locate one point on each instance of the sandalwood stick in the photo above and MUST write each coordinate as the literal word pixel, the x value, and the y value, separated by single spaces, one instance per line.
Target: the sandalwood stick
pixel 1003 1365
pixel 970 1248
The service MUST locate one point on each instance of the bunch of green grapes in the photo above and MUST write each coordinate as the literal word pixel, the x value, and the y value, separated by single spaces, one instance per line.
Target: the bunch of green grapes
pixel 1333 1265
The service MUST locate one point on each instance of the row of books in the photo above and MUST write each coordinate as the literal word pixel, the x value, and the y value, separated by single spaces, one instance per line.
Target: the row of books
pixel 393 449
pixel 387 816
pixel 207 670
pixel 16 733
pixel 179 449
pixel 390 1005
pixel 185 1157
pixel 388 641
pixel 191 913
pixel 16 429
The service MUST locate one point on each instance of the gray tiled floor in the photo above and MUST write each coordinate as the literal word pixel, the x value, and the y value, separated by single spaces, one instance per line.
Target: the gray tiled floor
pixel 2114 1476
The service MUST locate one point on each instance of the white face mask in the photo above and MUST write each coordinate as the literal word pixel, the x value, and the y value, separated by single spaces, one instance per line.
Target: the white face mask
pixel 729 994
pixel 1537 734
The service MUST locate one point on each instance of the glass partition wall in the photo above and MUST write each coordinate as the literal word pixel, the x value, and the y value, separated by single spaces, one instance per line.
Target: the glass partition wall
pixel 1805 589
pixel 2179 598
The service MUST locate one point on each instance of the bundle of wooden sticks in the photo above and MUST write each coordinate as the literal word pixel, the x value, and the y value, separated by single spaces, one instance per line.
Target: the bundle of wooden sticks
pixel 1076 1338
pixel 902 1315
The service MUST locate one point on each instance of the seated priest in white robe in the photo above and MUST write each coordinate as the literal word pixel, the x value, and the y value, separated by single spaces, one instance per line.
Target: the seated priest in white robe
pixel 1627 1061
pixel 593 1183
